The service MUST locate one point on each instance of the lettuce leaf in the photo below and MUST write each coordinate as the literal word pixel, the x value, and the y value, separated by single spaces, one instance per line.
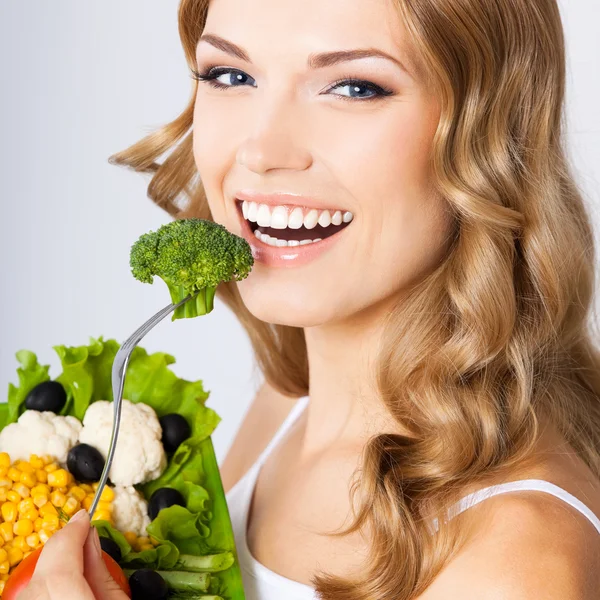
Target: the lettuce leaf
pixel 30 374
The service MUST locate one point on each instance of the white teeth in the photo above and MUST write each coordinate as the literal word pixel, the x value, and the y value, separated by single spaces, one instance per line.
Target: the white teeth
pixel 296 218
pixel 263 218
pixel 324 219
pixel 311 219
pixel 252 211
pixel 278 217
pixel 273 241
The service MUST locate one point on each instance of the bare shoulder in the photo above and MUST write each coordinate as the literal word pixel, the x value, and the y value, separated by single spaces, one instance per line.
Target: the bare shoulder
pixel 266 413
pixel 526 545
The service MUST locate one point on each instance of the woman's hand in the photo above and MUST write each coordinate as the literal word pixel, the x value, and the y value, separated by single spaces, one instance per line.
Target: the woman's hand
pixel 70 567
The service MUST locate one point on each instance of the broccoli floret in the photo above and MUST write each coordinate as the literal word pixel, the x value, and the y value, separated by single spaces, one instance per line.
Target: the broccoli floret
pixel 192 256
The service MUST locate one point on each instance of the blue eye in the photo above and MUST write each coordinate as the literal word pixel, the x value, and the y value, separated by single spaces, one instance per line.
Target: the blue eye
pixel 358 86
pixel 237 78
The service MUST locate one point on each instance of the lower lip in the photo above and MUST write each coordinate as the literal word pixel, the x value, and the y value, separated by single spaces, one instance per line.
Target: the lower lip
pixel 286 256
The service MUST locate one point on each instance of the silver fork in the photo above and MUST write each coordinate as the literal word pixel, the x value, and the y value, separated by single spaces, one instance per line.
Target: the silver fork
pixel 119 368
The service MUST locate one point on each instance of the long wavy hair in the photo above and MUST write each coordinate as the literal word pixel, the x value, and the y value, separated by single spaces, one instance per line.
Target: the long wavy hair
pixel 497 336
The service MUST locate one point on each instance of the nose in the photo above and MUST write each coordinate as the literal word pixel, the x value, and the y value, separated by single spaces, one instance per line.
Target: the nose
pixel 274 145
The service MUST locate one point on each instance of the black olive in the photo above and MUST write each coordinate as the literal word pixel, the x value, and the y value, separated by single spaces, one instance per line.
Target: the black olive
pixel 85 463
pixel 111 548
pixel 175 429
pixel 163 498
pixel 47 396
pixel 147 584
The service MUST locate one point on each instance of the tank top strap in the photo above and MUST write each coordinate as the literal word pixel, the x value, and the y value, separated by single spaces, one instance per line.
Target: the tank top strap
pixel 287 423
pixel 537 485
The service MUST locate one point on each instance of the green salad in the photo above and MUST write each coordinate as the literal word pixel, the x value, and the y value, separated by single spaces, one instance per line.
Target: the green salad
pixel 193 545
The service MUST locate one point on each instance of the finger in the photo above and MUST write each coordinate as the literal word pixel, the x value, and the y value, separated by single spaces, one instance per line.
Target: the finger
pixel 64 550
pixel 103 586
pixel 59 570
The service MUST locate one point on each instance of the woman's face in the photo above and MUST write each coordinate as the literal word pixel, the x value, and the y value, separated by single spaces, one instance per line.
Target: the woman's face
pixel 357 150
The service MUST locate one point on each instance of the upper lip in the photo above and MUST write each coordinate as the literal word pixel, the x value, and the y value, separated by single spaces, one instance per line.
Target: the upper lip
pixel 283 198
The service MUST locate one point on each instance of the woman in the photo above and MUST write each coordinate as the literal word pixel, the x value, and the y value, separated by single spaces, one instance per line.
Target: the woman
pixel 419 302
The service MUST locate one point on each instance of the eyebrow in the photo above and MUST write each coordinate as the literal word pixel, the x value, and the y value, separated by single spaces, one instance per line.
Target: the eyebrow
pixel 315 61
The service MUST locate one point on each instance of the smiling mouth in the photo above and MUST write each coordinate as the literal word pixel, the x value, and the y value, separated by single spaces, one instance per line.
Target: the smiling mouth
pixel 296 227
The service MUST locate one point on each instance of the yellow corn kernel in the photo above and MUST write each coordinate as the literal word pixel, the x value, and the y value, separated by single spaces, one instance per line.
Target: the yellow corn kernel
pixel 40 499
pixel 107 506
pixel 3 555
pixel 3 471
pixel 145 547
pixel 29 479
pixel 71 506
pixel 48 509
pixel 32 514
pixel 9 512
pixel 154 541
pixel 51 467
pixel 22 490
pixel 41 475
pixel 87 502
pixel 78 493
pixel 23 527
pixel 5 566
pixel 143 540
pixel 40 488
pixel 4 460
pixel 6 531
pixel 21 543
pixel 33 540
pixel 25 467
pixel 131 537
pixel 36 462
pixel 46 459
pixel 44 535
pixel 6 482
pixel 58 499
pixel 102 515
pixel 14 474
pixel 13 496
pixel 25 505
pixel 3 579
pixel 58 478
pixel 107 495
pixel 3 492
pixel 50 518
pixel 15 555
pixel 86 487
pixel 95 485
pixel 37 524
pixel 2 586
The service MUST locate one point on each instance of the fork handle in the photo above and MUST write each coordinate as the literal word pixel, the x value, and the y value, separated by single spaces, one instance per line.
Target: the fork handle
pixel 119 369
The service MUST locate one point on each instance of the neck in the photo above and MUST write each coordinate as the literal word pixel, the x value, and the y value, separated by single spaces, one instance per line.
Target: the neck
pixel 345 408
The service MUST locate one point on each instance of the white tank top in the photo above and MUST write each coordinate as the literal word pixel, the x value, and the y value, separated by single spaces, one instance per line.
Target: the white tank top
pixel 260 583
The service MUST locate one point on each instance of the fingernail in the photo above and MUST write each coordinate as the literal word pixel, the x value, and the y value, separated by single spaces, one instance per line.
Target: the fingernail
pixel 78 515
pixel 96 542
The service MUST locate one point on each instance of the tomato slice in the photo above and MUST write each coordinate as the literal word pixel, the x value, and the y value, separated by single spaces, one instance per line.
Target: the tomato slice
pixel 22 574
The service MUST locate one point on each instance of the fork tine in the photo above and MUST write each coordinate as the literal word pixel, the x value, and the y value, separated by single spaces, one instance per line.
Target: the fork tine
pixel 119 369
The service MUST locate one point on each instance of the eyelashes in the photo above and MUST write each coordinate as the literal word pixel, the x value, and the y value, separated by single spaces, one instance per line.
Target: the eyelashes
pixel 211 75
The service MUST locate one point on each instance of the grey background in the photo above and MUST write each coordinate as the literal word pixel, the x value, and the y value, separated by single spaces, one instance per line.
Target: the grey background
pixel 82 80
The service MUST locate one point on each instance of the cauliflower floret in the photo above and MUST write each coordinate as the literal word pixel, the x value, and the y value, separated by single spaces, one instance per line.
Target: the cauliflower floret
pixel 139 455
pixel 40 433
pixel 130 510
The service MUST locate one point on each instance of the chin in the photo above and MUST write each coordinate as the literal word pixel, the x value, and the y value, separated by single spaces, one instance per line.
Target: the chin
pixel 284 305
